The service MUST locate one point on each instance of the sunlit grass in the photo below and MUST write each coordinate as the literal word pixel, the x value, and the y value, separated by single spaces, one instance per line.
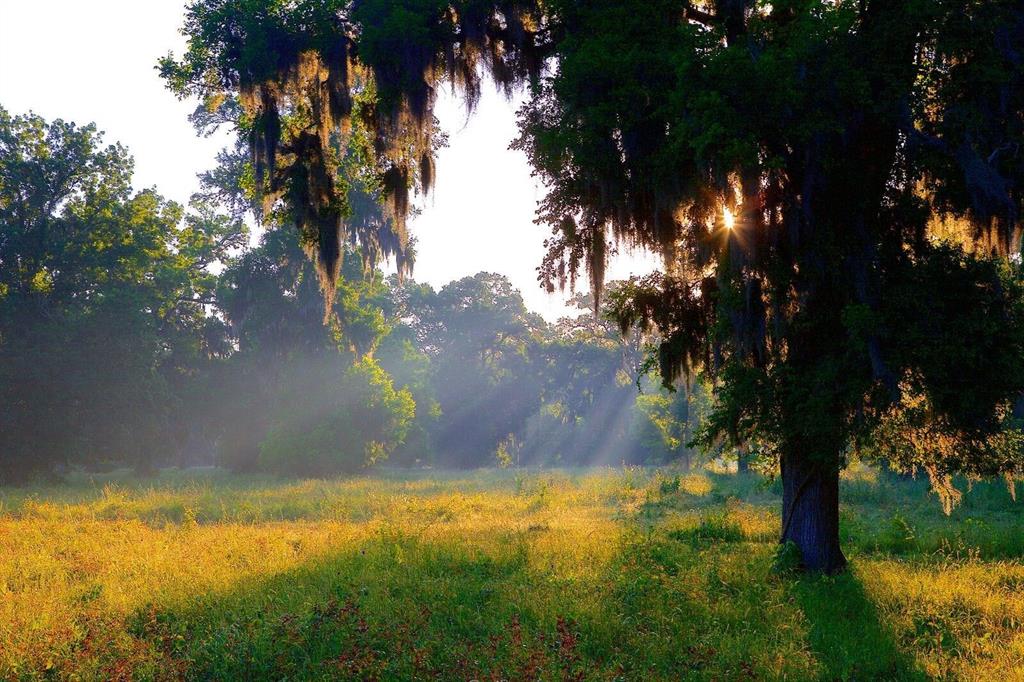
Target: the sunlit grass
pixel 604 574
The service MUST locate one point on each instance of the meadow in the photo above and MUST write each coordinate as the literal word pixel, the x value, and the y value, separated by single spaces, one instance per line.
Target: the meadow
pixel 608 574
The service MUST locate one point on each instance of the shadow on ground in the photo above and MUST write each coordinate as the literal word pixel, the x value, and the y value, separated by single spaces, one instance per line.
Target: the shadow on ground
pixel 405 608
pixel 846 633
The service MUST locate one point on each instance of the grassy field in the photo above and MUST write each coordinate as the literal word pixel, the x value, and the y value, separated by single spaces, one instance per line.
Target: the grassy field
pixel 604 574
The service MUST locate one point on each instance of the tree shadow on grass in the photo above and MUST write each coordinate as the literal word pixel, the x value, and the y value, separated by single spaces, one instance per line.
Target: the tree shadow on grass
pixel 401 607
pixel 392 608
pixel 398 607
pixel 846 633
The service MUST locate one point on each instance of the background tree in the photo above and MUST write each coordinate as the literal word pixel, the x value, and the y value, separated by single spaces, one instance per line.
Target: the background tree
pixel 136 333
pixel 479 339
pixel 667 423
pixel 102 301
pixel 290 368
pixel 590 379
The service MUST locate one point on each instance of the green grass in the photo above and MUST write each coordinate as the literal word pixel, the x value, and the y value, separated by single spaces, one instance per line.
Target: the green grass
pixel 605 574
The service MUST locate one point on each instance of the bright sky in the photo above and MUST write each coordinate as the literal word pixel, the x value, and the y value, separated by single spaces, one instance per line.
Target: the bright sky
pixel 93 62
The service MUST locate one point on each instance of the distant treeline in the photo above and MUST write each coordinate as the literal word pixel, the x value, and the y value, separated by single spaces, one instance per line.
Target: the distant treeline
pixel 136 332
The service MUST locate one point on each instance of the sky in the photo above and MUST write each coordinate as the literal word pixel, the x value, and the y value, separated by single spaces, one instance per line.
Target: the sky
pixel 93 61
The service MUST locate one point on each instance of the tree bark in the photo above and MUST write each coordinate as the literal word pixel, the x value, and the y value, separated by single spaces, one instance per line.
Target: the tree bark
pixel 742 459
pixel 684 459
pixel 810 513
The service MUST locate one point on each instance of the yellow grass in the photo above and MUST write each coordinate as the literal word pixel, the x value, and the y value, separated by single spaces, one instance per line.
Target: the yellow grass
pixel 610 574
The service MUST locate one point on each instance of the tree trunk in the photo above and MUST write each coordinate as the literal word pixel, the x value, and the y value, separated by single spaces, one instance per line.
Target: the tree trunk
pixel 810 513
pixel 684 459
pixel 742 459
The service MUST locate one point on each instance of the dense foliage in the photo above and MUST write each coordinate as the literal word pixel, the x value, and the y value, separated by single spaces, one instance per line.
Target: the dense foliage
pixel 136 333
pixel 103 295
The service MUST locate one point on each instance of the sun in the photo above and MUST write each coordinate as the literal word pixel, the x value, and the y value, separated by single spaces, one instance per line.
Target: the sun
pixel 728 218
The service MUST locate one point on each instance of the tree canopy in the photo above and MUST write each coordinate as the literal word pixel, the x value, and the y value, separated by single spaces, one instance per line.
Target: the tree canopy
pixel 103 295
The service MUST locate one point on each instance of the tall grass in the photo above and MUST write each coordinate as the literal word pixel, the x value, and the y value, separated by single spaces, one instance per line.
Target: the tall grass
pixel 601 574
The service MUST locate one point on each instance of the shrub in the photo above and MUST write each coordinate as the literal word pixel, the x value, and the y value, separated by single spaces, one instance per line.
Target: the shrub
pixel 341 428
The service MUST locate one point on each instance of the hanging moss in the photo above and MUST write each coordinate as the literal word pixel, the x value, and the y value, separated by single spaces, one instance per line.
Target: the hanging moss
pixel 297 70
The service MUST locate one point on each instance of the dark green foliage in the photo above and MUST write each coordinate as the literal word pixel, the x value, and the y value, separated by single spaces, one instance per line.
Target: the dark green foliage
pixel 120 346
pixel 666 421
pixel 358 419
pixel 293 375
pixel 809 257
pixel 102 303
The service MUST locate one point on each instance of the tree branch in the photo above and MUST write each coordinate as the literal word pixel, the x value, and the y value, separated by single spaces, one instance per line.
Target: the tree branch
pixel 691 13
